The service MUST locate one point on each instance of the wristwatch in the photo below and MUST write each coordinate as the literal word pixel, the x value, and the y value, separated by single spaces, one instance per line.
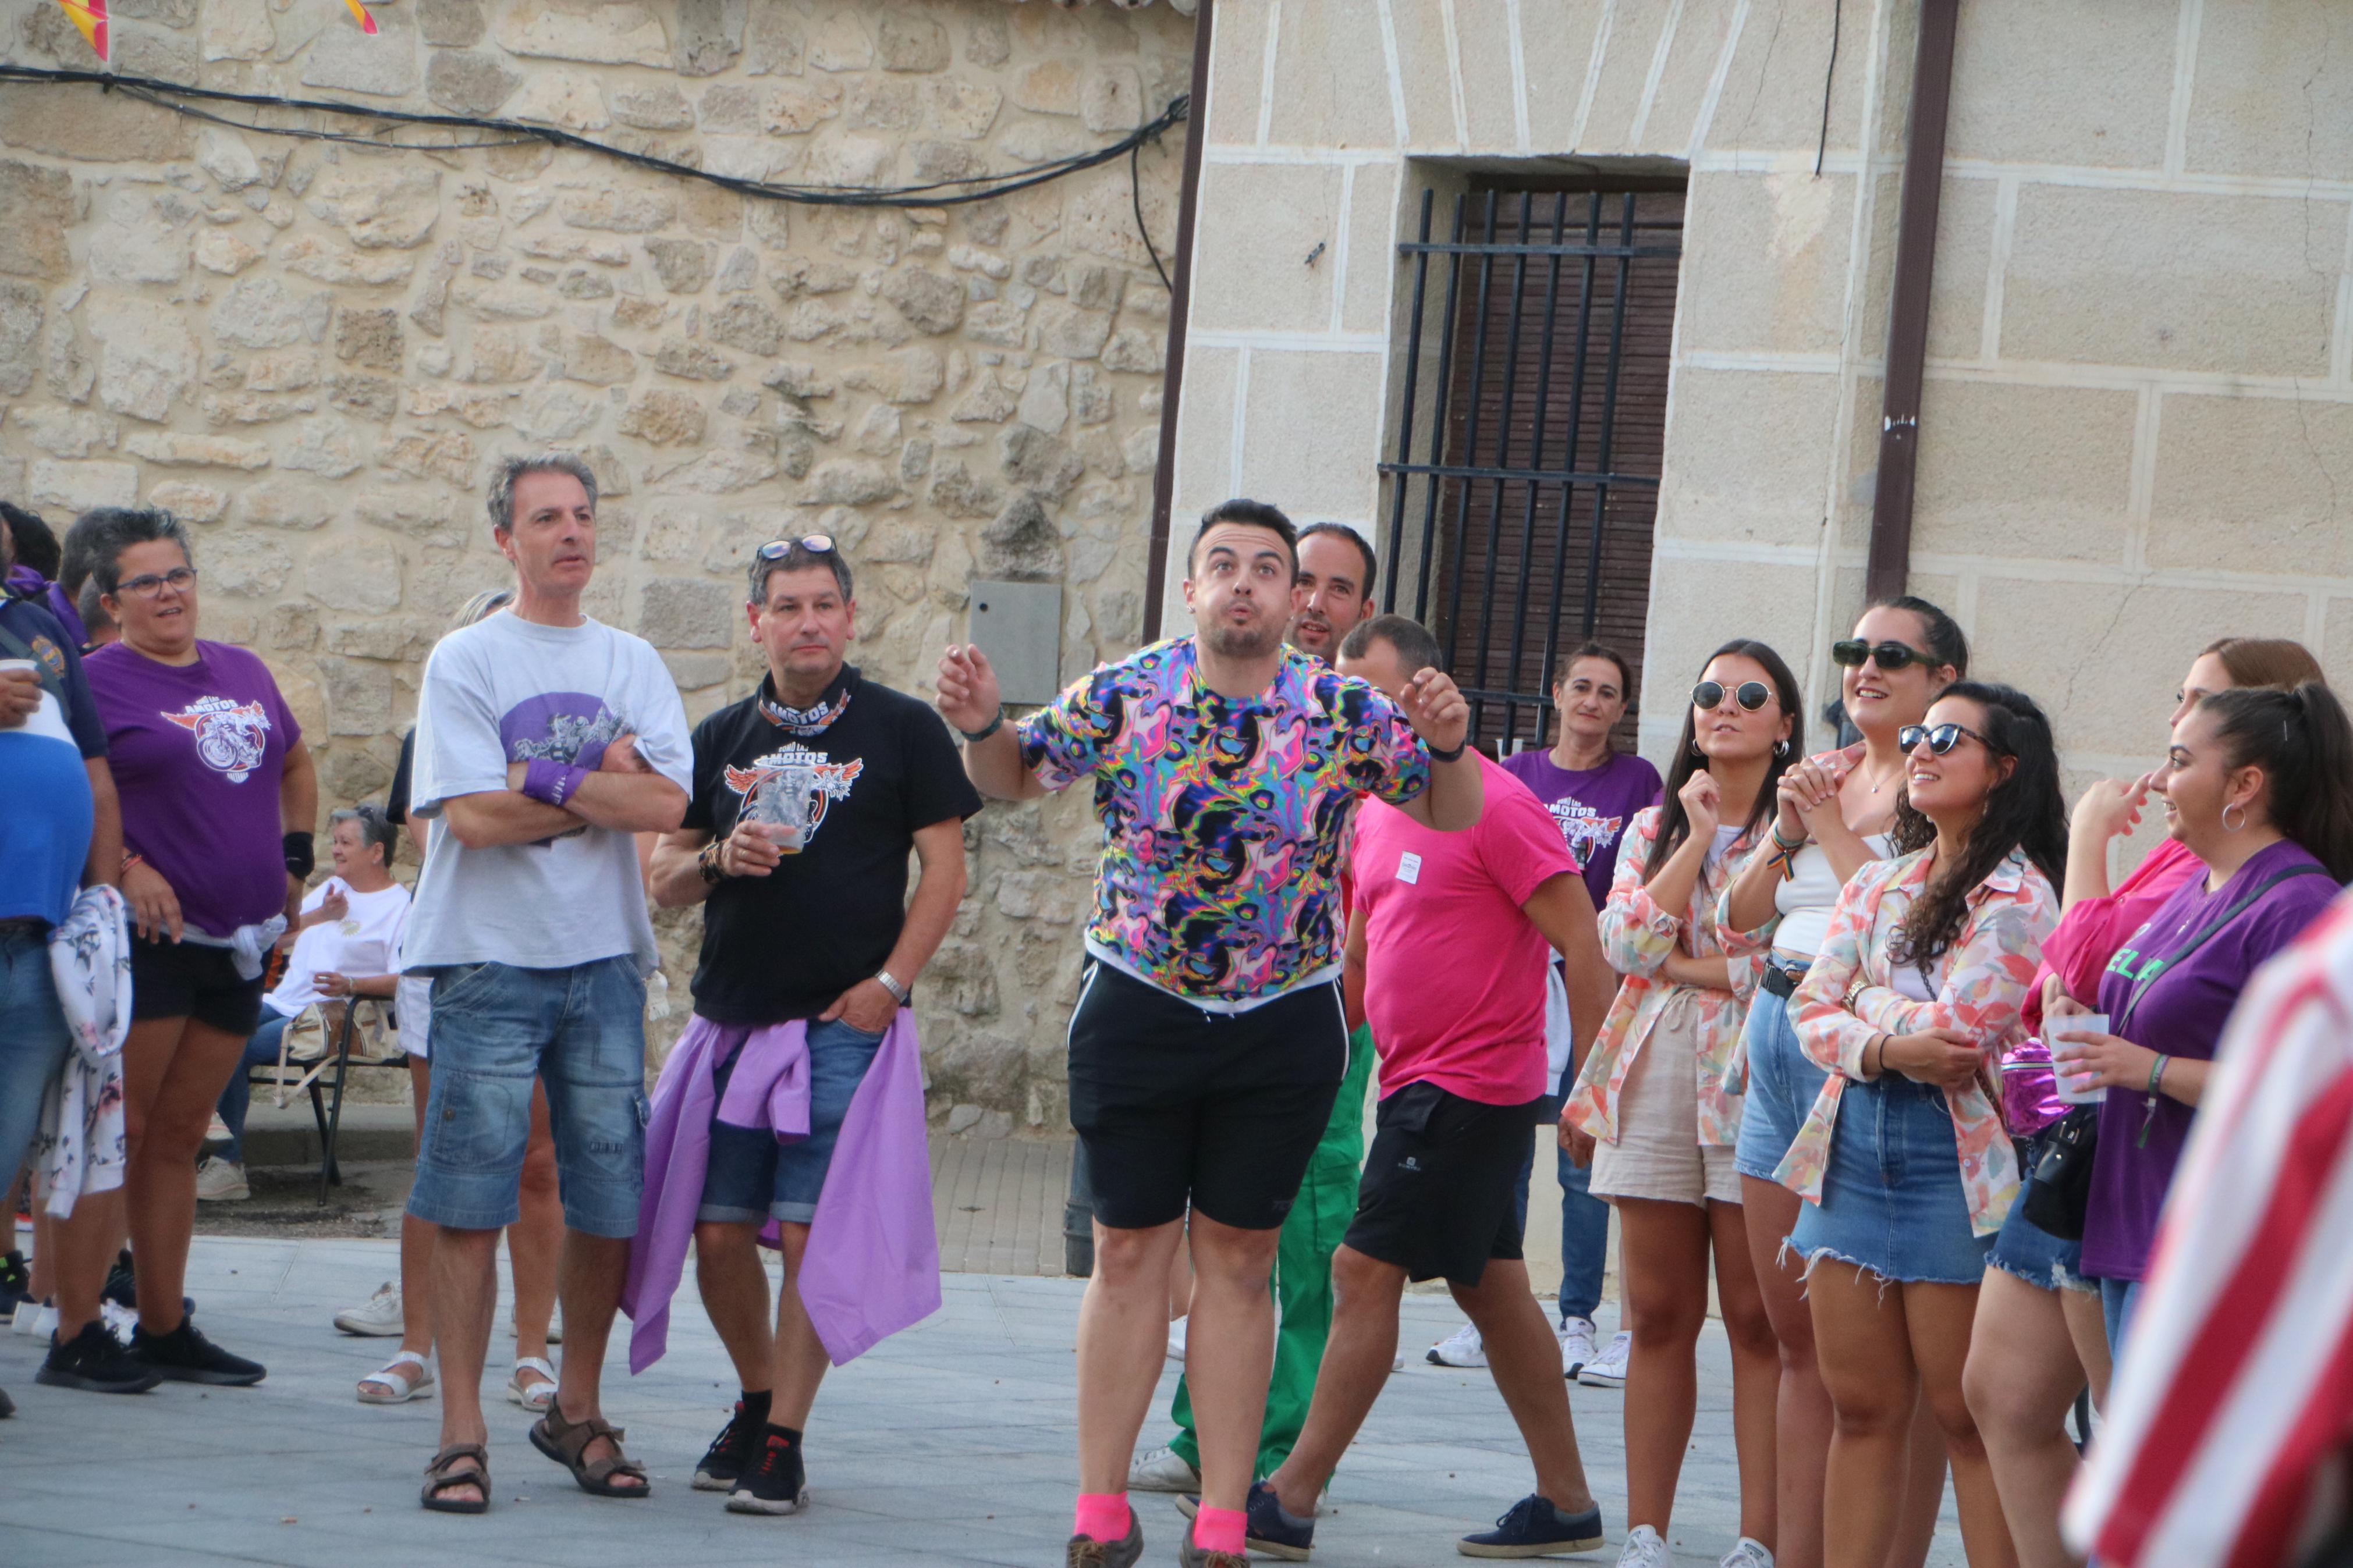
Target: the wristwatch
pixel 899 993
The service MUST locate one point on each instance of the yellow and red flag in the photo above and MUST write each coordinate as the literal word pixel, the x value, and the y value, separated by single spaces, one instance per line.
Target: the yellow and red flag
pixel 89 15
pixel 360 15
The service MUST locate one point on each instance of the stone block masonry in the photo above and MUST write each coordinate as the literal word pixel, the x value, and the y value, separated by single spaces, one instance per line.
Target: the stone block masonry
pixel 314 351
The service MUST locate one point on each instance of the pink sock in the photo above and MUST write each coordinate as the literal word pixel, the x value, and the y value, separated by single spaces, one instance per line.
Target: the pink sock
pixel 1219 1529
pixel 1103 1516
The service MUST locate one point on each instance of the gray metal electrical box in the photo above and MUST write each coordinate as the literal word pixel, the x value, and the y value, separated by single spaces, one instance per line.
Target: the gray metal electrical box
pixel 1019 627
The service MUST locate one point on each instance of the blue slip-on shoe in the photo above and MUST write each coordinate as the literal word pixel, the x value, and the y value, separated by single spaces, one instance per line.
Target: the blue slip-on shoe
pixel 1533 1527
pixel 1267 1526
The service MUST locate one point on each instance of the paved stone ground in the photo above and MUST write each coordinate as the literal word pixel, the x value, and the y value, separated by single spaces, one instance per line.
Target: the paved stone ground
pixel 950 1443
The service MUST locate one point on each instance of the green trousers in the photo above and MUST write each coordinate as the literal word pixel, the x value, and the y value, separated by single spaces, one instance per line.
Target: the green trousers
pixel 1303 1273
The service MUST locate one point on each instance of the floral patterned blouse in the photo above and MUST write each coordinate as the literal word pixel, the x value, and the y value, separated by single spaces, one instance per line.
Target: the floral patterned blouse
pixel 1637 936
pixel 1849 997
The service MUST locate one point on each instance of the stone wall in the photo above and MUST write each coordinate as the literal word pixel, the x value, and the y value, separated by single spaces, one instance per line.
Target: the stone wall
pixel 314 351
pixel 2137 431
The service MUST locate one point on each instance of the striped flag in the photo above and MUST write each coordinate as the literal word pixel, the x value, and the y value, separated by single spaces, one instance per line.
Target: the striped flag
pixel 89 16
pixel 2233 1408
pixel 360 15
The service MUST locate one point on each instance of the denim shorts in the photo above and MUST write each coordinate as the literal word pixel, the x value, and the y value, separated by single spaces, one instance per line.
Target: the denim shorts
pixel 753 1175
pixel 1891 1198
pixel 1783 1082
pixel 2025 1249
pixel 495 1028
pixel 34 1039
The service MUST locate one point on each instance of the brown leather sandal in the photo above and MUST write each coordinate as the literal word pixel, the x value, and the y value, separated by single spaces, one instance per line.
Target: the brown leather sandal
pixel 442 1475
pixel 566 1440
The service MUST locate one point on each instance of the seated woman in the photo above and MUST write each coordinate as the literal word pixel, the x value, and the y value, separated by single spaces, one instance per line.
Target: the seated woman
pixel 350 928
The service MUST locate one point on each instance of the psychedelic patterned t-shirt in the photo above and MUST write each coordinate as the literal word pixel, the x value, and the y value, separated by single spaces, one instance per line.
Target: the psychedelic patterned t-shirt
pixel 1225 819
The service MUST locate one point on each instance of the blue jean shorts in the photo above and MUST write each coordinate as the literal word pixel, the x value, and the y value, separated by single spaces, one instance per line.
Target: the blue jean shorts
pixel 1782 1084
pixel 753 1174
pixel 1892 1197
pixel 34 1038
pixel 495 1028
pixel 2025 1249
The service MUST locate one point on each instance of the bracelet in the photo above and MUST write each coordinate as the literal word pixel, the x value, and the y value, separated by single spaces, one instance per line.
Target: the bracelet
pixel 133 859
pixel 986 730
pixel 2157 1076
pixel 884 978
pixel 1783 845
pixel 550 782
pixel 1453 756
pixel 1879 1040
pixel 300 859
pixel 707 862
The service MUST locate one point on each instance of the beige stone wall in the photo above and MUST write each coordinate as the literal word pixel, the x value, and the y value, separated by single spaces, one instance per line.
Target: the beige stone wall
pixel 314 351
pixel 2139 423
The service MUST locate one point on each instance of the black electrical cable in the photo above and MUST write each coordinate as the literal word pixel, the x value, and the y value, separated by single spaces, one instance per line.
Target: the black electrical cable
pixel 942 192
pixel 1828 75
pixel 1135 196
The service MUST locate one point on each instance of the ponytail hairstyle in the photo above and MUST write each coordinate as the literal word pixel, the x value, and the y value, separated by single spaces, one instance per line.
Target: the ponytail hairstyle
pixel 2024 812
pixel 2281 663
pixel 1675 822
pixel 2304 744
pixel 1947 644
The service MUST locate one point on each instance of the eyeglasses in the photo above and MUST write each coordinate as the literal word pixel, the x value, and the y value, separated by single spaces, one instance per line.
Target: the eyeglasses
pixel 182 578
pixel 1750 694
pixel 815 543
pixel 1888 656
pixel 1941 737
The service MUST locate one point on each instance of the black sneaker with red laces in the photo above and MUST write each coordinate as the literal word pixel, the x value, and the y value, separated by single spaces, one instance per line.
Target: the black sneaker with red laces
pixel 723 1462
pixel 775 1482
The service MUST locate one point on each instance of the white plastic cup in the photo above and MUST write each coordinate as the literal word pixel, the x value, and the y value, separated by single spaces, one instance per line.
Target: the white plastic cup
pixel 2059 1031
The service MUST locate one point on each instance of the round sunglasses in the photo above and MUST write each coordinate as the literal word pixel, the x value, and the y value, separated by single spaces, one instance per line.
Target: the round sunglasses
pixel 1941 737
pixel 815 543
pixel 1751 695
pixel 1888 656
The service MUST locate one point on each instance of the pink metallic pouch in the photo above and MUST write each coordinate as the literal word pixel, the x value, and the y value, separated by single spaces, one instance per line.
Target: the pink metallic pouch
pixel 2030 1089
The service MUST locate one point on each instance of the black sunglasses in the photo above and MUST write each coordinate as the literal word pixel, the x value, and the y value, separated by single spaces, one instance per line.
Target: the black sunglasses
pixel 1750 694
pixel 1889 656
pixel 815 543
pixel 1941 737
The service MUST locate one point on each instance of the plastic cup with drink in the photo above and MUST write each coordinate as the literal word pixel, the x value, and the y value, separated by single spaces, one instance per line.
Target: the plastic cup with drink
pixel 779 808
pixel 2065 1032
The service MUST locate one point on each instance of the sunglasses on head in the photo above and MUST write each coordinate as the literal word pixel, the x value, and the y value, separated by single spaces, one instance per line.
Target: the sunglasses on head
pixel 1889 656
pixel 1750 694
pixel 1941 737
pixel 815 543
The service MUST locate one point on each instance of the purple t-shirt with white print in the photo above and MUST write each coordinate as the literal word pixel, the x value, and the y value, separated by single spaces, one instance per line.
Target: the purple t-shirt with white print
pixel 1592 806
pixel 197 752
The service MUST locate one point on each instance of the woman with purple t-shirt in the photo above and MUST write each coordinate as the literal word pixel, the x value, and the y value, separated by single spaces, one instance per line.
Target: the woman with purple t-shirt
pixel 219 805
pixel 2258 785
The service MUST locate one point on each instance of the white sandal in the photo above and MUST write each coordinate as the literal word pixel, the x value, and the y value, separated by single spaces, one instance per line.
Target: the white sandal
pixel 403 1389
pixel 538 1396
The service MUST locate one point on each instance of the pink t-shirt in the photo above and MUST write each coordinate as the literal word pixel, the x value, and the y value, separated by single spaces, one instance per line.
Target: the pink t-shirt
pixel 1454 985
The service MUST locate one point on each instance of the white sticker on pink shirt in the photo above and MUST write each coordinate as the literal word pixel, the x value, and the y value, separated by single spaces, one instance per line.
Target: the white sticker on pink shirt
pixel 1408 867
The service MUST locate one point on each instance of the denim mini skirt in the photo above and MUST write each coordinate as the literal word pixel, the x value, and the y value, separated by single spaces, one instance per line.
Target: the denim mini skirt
pixel 1783 1083
pixel 1891 1198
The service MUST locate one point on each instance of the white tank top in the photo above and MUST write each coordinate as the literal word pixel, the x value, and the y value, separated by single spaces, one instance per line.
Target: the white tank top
pixel 1805 898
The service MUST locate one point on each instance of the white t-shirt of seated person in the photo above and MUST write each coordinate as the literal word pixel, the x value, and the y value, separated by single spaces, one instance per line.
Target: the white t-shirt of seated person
pixel 363 944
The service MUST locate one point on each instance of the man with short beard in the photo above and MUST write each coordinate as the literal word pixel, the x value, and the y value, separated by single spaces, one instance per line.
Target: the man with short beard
pixel 1210 1040
pixel 1336 568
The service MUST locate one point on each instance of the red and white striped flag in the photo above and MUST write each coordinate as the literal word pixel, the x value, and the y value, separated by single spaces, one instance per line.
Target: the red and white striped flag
pixel 2233 1406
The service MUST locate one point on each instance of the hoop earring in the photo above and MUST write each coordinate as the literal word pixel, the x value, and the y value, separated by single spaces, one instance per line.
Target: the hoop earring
pixel 1781 748
pixel 2230 827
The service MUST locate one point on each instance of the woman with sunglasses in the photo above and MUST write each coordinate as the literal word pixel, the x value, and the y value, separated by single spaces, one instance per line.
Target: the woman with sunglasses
pixel 2040 1336
pixel 218 806
pixel 2258 785
pixel 1651 1111
pixel 1833 814
pixel 1918 985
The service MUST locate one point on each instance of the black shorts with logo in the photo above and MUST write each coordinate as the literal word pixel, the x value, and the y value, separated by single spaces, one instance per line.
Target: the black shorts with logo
pixel 1436 1199
pixel 1176 1105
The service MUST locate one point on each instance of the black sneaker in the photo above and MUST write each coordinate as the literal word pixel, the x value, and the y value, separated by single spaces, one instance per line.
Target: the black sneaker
pixel 774 1483
pixel 121 1287
pixel 185 1356
pixel 16 1283
pixel 1266 1525
pixel 96 1363
pixel 1534 1527
pixel 730 1452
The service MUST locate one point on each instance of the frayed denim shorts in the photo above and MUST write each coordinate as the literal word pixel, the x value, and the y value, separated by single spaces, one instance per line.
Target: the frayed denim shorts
pixel 2025 1249
pixel 1892 1197
pixel 1783 1083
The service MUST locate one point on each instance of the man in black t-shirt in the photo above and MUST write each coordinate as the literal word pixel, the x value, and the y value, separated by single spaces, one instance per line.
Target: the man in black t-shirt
pixel 808 796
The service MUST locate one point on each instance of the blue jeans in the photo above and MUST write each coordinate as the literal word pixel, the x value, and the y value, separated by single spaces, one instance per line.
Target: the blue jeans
pixel 34 1039
pixel 1584 1222
pixel 754 1176
pixel 236 1100
pixel 495 1027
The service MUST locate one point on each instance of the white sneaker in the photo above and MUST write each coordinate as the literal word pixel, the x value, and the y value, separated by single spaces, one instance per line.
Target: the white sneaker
pixel 1747 1553
pixel 28 1320
pixel 1176 1341
pixel 1576 1350
pixel 220 1181
pixel 216 1132
pixel 1162 1471
pixel 1608 1369
pixel 1460 1348
pixel 1643 1549
pixel 380 1319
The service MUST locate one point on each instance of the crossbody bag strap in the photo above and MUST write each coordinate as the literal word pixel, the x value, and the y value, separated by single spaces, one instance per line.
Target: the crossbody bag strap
pixel 2239 906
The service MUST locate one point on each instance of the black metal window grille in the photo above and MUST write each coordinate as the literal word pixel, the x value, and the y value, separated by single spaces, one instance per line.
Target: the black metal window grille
pixel 1524 527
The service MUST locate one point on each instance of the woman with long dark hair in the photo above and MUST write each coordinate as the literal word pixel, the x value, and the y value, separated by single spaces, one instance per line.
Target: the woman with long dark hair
pixel 1652 1092
pixel 1918 986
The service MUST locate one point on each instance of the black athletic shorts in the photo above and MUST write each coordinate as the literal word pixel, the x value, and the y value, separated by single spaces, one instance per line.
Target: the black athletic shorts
pixel 1178 1105
pixel 191 980
pixel 1437 1198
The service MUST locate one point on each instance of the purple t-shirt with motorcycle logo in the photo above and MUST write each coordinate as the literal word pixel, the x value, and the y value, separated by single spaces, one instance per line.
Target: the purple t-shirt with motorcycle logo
pixel 197 752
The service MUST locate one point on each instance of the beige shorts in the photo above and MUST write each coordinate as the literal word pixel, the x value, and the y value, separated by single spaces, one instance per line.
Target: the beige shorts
pixel 1658 1154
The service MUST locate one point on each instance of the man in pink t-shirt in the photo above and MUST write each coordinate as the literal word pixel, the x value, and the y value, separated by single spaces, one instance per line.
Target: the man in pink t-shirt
pixel 1454 934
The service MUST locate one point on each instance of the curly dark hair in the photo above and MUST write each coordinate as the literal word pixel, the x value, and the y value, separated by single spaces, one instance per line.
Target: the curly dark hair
pixel 2024 812
pixel 1675 822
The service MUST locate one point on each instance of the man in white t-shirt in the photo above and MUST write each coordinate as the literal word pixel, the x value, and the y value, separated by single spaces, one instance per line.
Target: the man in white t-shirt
pixel 544 742
pixel 346 947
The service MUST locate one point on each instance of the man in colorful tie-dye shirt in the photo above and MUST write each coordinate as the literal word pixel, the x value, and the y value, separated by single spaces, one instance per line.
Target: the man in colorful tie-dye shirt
pixel 1208 1040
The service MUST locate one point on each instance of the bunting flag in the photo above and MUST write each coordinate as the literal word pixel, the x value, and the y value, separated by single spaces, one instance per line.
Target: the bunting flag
pixel 360 15
pixel 89 15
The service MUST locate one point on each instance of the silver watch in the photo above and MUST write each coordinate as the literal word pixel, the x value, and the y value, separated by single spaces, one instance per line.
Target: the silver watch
pixel 884 979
